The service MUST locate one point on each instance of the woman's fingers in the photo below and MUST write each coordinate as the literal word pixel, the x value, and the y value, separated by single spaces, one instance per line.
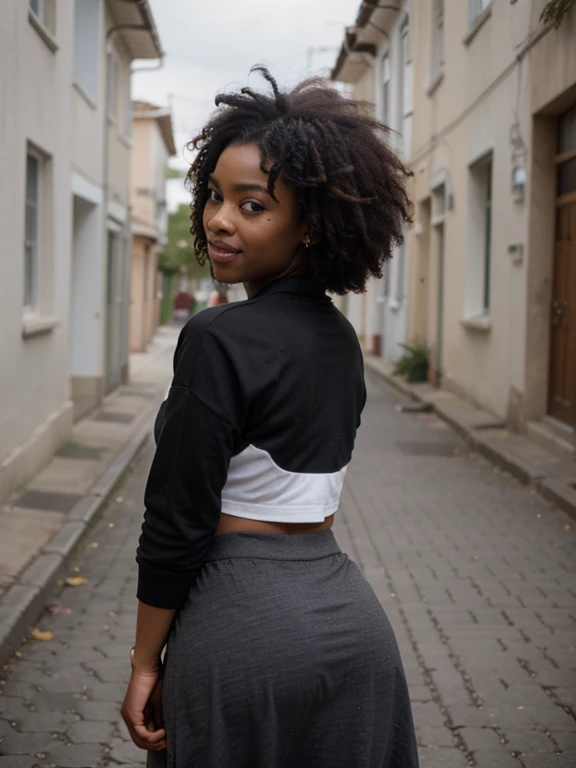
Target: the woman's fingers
pixel 150 740
pixel 140 713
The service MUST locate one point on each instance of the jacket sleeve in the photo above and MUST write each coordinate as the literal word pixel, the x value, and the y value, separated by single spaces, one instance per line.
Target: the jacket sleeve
pixel 203 418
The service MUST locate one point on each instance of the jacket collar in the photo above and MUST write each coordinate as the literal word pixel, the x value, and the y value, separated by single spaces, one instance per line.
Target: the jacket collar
pixel 298 284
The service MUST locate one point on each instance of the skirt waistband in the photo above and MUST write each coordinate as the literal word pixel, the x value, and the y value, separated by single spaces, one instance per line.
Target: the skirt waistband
pixel 273 546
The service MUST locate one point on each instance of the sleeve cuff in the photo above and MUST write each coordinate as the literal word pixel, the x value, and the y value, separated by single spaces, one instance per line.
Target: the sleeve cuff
pixel 162 591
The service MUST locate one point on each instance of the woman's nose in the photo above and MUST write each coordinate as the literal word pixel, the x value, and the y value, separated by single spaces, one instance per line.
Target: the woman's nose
pixel 220 220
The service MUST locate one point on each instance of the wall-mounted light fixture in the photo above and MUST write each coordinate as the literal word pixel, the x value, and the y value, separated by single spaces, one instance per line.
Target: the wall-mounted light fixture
pixel 519 177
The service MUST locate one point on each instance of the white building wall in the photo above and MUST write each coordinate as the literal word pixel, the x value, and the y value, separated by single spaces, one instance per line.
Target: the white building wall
pixel 35 412
pixel 387 305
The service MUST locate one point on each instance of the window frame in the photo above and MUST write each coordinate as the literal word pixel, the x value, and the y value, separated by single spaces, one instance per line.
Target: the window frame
pixel 437 61
pixel 112 71
pixel 488 237
pixel 480 227
pixel 41 12
pixel 127 111
pixel 386 77
pixel 475 10
pixel 31 292
pixel 90 90
pixel 406 90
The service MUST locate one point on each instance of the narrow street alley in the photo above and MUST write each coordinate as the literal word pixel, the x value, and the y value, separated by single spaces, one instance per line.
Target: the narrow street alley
pixel 475 571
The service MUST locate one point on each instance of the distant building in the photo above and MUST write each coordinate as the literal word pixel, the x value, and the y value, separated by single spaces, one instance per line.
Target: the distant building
pixel 153 145
pixel 491 276
pixel 375 61
pixel 65 141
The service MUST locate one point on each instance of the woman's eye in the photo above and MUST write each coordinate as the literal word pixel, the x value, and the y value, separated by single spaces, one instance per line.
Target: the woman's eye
pixel 213 195
pixel 252 206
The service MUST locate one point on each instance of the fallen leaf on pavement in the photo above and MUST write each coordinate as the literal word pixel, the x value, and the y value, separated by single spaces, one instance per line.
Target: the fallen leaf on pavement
pixel 18 654
pixel 37 634
pixel 75 581
pixel 94 545
pixel 111 525
pixel 57 610
pixel 520 707
pixel 567 527
pixel 119 499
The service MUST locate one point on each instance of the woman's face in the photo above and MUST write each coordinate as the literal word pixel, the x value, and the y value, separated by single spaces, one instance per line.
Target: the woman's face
pixel 252 238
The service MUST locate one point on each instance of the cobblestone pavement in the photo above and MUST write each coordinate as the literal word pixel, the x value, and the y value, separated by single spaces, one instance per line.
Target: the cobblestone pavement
pixel 474 570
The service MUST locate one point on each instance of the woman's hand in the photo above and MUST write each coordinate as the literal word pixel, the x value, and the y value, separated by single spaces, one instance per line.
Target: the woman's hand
pixel 142 709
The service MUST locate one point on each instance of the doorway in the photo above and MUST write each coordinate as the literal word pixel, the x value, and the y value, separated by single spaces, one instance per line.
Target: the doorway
pixel 114 308
pixel 562 386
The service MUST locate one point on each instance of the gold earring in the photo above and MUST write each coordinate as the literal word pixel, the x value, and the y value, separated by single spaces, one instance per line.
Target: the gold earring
pixel 307 241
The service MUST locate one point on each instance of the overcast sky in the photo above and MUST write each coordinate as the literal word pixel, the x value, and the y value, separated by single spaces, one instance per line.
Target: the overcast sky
pixel 211 45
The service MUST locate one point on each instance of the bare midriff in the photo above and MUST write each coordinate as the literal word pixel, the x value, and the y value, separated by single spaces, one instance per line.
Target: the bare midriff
pixel 233 524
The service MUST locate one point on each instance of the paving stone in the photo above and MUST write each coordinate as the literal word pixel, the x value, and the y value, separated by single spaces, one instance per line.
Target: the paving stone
pixel 566 740
pixel 90 732
pixel 437 757
pixel 47 721
pixel 85 756
pixel 18 761
pixel 528 741
pixel 98 710
pixel 546 761
pixel 26 743
pixel 432 736
pixel 493 759
pixel 427 713
pixel 125 751
pixel 484 739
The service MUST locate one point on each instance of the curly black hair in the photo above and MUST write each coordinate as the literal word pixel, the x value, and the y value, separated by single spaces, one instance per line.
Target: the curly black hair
pixel 349 184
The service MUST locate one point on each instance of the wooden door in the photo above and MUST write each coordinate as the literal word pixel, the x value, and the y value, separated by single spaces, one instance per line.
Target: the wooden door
pixel 562 392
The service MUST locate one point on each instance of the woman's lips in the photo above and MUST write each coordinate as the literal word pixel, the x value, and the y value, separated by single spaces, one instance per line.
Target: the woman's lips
pixel 221 254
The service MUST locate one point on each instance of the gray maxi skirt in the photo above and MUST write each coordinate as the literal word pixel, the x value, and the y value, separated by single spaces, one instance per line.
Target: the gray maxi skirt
pixel 282 657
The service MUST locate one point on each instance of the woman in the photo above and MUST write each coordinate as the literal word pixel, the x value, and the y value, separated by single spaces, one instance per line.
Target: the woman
pixel 278 652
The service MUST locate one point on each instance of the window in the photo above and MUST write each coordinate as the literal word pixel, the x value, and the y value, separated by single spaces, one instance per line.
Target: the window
pixel 406 90
pixel 386 89
pixel 112 79
pixel 386 276
pixel 31 230
pixel 401 272
pixel 39 8
pixel 437 62
pixel 566 160
pixel 86 40
pixel 476 8
pixel 480 243
pixel 127 110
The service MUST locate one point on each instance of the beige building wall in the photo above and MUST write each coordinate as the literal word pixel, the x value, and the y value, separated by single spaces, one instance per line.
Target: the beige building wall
pixel 153 144
pixel 484 103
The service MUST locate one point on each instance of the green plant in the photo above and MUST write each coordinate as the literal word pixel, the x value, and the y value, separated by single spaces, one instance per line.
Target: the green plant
pixel 554 12
pixel 414 363
pixel 179 250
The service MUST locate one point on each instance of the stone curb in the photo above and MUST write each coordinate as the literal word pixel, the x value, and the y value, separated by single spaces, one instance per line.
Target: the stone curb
pixel 25 600
pixel 550 488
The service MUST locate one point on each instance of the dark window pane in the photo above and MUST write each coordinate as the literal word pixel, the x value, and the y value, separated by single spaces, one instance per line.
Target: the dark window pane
pixel 567 177
pixel 567 131
pixel 32 179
